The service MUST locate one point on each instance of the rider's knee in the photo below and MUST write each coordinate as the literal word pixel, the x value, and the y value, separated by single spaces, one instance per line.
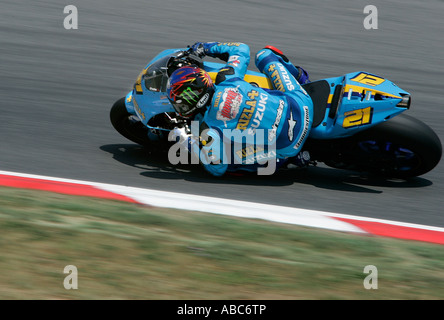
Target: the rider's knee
pixel 272 55
pixel 264 57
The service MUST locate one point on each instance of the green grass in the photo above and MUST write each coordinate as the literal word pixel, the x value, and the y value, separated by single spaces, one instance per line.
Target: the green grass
pixel 126 251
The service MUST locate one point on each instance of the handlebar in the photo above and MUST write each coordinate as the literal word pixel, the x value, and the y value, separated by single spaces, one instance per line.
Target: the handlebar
pixel 183 58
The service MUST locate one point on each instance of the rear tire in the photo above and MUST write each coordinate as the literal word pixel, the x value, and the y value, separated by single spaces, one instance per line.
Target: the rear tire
pixel 127 124
pixel 402 147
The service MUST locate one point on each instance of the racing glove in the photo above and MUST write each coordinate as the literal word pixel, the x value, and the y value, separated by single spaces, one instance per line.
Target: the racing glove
pixel 206 149
pixel 198 49
pixel 302 77
pixel 202 49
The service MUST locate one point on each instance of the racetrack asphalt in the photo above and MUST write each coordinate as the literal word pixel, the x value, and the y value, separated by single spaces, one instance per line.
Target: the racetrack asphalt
pixel 58 85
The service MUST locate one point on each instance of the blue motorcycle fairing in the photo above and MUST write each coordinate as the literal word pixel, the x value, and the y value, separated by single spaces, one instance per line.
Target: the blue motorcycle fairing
pixel 146 101
pixel 360 103
pixel 356 101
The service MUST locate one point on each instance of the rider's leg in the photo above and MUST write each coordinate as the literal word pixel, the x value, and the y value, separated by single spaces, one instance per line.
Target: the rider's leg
pixel 294 130
pixel 264 55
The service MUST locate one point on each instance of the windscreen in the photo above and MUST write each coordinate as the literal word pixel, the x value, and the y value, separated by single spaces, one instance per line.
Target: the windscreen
pixel 156 76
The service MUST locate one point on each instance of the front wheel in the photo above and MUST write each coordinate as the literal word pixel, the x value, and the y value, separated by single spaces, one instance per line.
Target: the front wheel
pixel 402 147
pixel 128 125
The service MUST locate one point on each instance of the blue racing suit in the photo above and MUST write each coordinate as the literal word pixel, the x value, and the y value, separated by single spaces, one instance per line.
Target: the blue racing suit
pixel 248 125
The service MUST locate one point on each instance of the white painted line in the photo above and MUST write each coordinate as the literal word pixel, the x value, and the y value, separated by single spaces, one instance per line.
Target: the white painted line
pixel 310 218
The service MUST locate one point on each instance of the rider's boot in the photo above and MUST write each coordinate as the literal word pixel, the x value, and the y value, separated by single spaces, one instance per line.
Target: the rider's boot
pixel 302 159
pixel 270 53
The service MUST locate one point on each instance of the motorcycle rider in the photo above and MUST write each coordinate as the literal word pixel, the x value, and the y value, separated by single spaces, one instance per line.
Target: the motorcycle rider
pixel 230 103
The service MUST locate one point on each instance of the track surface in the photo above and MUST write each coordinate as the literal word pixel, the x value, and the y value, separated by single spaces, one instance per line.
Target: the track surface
pixel 58 85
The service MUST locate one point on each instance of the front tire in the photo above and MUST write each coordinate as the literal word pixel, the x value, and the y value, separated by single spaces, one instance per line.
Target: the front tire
pixel 402 147
pixel 128 125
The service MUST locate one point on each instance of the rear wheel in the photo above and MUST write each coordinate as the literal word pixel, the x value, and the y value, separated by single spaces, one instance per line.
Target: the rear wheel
pixel 128 125
pixel 401 147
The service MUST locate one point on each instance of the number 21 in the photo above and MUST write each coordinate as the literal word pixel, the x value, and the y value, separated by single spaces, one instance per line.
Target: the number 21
pixel 358 117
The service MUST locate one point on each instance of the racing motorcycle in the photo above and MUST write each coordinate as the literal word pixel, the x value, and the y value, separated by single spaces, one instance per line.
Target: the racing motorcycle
pixel 358 121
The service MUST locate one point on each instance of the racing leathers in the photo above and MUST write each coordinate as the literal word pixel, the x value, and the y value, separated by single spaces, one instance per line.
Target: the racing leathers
pixel 245 124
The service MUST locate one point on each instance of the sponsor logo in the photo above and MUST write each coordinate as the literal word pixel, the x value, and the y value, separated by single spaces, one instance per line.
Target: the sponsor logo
pixel 305 130
pixel 230 44
pixel 261 157
pixel 229 107
pixel 261 106
pixel 139 111
pixel 217 100
pixel 247 113
pixel 245 118
pixel 276 78
pixel 280 111
pixel 286 78
pixel 249 151
pixel 234 61
pixel 291 124
pixel 203 101
pixel 281 79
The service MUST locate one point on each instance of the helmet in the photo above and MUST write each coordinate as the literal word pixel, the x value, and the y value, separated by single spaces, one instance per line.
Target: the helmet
pixel 189 89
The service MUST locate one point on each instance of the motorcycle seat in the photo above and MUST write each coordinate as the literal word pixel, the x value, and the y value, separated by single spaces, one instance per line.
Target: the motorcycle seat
pixel 319 91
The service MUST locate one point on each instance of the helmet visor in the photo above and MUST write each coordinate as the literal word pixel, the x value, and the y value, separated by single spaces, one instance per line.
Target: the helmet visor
pixel 184 109
pixel 186 102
